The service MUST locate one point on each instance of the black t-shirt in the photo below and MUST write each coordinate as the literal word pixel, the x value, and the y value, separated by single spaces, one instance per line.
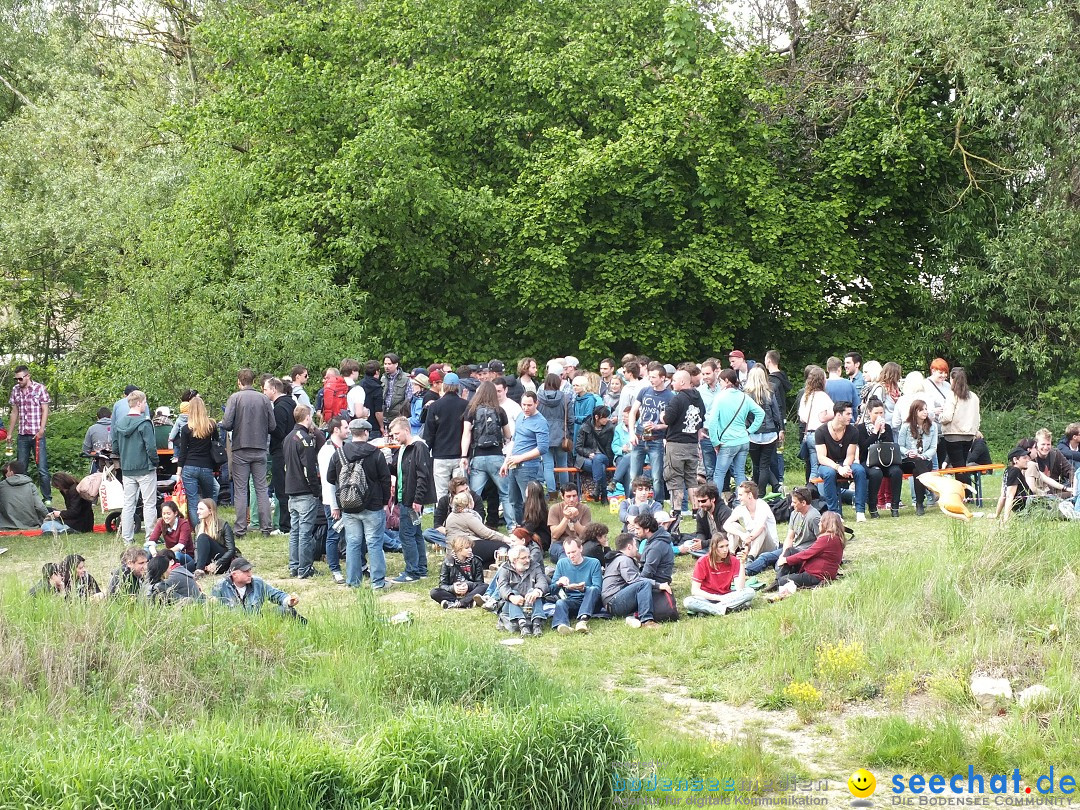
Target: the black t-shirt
pixel 836 450
pixel 685 416
pixel 1014 476
pixel 487 451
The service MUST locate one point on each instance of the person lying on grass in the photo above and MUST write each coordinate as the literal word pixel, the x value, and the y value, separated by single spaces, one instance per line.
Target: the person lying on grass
pixel 241 589
pixel 1015 490
pixel 819 563
pixel 52 581
pixel 78 582
pixel 718 584
pixel 522 585
pixel 462 576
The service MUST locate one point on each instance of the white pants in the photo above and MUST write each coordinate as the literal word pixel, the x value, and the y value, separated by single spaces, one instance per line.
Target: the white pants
pixel 133 485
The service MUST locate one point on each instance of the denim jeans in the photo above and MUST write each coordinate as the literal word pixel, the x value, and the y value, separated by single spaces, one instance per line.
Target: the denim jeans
pixel 413 547
pixel 831 494
pixel 486 468
pixel 50 526
pixel 729 601
pixel 555 551
pixel 518 480
pixel 554 457
pixel 302 534
pixel 654 449
pixel 333 555
pixel 134 485
pixel 24 448
pixel 811 454
pixel 733 459
pixel 199 481
pixel 597 468
pixel 360 527
pixel 435 537
pixel 576 604
pixel 634 598
pixel 763 561
pixel 708 457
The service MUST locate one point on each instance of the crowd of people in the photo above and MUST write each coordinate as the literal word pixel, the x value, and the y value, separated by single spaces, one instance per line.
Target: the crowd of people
pixel 510 463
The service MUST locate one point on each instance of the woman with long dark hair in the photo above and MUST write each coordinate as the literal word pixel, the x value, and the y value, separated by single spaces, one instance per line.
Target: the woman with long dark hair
pixel 535 514
pixel 78 513
pixel 960 421
pixel 78 582
pixel 485 431
pixel 918 442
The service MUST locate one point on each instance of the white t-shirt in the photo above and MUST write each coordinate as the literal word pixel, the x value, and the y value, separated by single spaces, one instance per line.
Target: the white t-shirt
pixel 354 400
pixel 629 394
pixel 512 411
pixel 809 410
pixel 329 491
pixel 762 517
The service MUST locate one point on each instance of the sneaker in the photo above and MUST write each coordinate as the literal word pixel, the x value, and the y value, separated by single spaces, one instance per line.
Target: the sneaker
pixel 274 533
pixel 478 600
pixel 523 628
pixel 582 626
pixel 860 517
pixel 874 514
pixel 446 603
pixel 564 629
pixel 633 621
pixel 339 578
pixel 920 510
pixel 502 625
pixel 895 512
pixel 489 604
pixel 402 579
pixel 538 628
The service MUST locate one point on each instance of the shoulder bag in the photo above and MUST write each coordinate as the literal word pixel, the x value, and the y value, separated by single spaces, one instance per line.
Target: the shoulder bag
pixel 883 454
pixel 567 443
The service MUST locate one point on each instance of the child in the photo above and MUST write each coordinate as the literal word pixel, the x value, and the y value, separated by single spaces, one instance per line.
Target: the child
pixel 641 503
pixel 462 576
pixel 820 562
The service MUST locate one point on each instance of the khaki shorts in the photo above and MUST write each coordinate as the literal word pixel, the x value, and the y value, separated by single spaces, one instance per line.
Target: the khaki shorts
pixel 680 466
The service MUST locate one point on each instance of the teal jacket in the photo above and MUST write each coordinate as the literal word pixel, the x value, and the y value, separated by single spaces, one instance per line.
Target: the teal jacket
pixel 727 419
pixel 136 444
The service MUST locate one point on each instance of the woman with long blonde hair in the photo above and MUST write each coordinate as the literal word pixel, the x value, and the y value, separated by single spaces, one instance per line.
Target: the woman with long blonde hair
pixel 770 435
pixel 195 466
pixel 215 544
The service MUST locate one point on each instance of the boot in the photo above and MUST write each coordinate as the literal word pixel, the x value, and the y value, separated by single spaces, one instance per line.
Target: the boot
pixel 523 628
pixel 538 627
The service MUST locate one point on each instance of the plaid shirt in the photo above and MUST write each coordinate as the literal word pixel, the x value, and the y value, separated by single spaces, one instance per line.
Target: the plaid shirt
pixel 29 401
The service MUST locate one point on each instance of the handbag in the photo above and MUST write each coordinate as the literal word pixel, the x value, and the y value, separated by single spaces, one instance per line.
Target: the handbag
pixel 883 454
pixel 567 443
pixel 218 452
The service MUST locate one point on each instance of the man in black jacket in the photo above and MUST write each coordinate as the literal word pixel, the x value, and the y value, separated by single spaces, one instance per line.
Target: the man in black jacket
pixel 302 487
pixel 443 427
pixel 373 397
pixel 364 524
pixel 284 405
pixel 415 489
pixel 711 515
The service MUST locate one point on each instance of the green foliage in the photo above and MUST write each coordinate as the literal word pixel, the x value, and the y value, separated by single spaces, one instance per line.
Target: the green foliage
pixel 940 747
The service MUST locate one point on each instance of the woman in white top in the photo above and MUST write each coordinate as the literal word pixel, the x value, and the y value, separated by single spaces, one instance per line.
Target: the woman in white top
pixel 815 409
pixel 752 526
pixel 960 420
pixel 936 392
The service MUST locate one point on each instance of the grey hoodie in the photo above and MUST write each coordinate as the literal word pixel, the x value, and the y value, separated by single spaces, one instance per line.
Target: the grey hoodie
pixel 556 409
pixel 21 506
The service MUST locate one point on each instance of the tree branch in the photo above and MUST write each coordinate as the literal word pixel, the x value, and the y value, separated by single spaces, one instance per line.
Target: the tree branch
pixel 16 93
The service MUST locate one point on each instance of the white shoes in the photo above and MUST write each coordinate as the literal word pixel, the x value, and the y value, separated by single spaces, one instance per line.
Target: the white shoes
pixel 633 621
pixel 860 517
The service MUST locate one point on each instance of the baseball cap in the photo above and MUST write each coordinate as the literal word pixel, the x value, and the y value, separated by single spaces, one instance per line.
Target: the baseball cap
pixel 359 424
pixel 435 376
pixel 239 564
pixel 416 371
pixel 737 353
pixel 496 366
pixel 669 369
pixel 451 379
pixel 662 517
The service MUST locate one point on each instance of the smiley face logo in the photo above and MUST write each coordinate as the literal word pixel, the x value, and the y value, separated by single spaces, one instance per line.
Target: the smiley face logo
pixel 862 784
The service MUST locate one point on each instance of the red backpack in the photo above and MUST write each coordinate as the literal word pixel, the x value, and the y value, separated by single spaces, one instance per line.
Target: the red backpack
pixel 335 398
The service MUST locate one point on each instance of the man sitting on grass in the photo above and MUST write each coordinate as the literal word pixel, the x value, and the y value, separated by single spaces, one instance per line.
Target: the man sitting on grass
pixel 658 556
pixel 567 520
pixel 711 515
pixel 625 591
pixel 241 589
pixel 21 506
pixel 752 526
pixel 522 584
pixel 128 579
pixel 640 503
pixel 577 579
pixel 802 532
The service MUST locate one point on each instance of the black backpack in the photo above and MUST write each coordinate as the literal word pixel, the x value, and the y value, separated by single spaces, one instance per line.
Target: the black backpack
pixel 352 486
pixel 487 432
pixel 781 509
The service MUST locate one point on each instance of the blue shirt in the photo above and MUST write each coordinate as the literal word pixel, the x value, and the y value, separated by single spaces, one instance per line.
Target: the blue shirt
pixel 588 572
pixel 841 390
pixel 652 404
pixel 530 433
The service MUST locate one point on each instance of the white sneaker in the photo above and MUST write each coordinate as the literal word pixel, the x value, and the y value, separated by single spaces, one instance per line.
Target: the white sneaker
pixel 3 550
pixel 633 621
pixel 339 578
pixel 860 517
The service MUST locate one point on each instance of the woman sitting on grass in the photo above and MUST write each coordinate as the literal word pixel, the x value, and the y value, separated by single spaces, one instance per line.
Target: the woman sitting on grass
pixel 819 563
pixel 522 585
pixel 77 514
pixel 534 514
pixel 462 576
pixel 215 544
pixel 173 530
pixel 168 582
pixel 464 522
pixel 78 582
pixel 718 584
pixel 595 543
pixel 436 535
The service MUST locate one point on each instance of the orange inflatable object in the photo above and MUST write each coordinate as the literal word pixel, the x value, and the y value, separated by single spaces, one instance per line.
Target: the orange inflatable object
pixel 950 493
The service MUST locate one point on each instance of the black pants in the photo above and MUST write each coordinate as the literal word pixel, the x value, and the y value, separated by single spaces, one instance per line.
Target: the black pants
pixel 485 550
pixel 762 458
pixel 874 477
pixel 800 579
pixel 475 589
pixel 207 549
pixel 917 466
pixel 491 499
pixel 277 481
pixel 958 454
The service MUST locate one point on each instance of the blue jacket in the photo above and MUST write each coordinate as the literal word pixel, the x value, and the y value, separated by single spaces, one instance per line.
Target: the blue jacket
pixel 584 405
pixel 258 592
pixel 727 419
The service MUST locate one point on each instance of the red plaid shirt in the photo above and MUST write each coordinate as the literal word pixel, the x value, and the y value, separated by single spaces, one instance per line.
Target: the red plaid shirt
pixel 29 400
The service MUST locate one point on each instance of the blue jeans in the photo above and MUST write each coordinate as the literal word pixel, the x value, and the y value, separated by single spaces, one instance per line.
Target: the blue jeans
pixel 483 468
pixel 811 454
pixel 554 457
pixel 518 480
pixel 597 467
pixel 555 551
pixel 622 474
pixel 764 560
pixel 302 534
pixel 576 605
pixel 830 492
pixel 708 457
pixel 435 537
pixel 360 527
pixel 50 526
pixel 634 598
pixel 413 547
pixel 25 454
pixel 654 449
pixel 731 458
pixel 333 556
pixel 199 480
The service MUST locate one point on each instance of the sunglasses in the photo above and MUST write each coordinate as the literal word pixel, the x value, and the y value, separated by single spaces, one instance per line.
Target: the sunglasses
pixel 20 379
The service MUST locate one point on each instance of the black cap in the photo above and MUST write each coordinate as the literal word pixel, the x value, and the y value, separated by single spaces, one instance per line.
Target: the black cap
pixel 239 564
